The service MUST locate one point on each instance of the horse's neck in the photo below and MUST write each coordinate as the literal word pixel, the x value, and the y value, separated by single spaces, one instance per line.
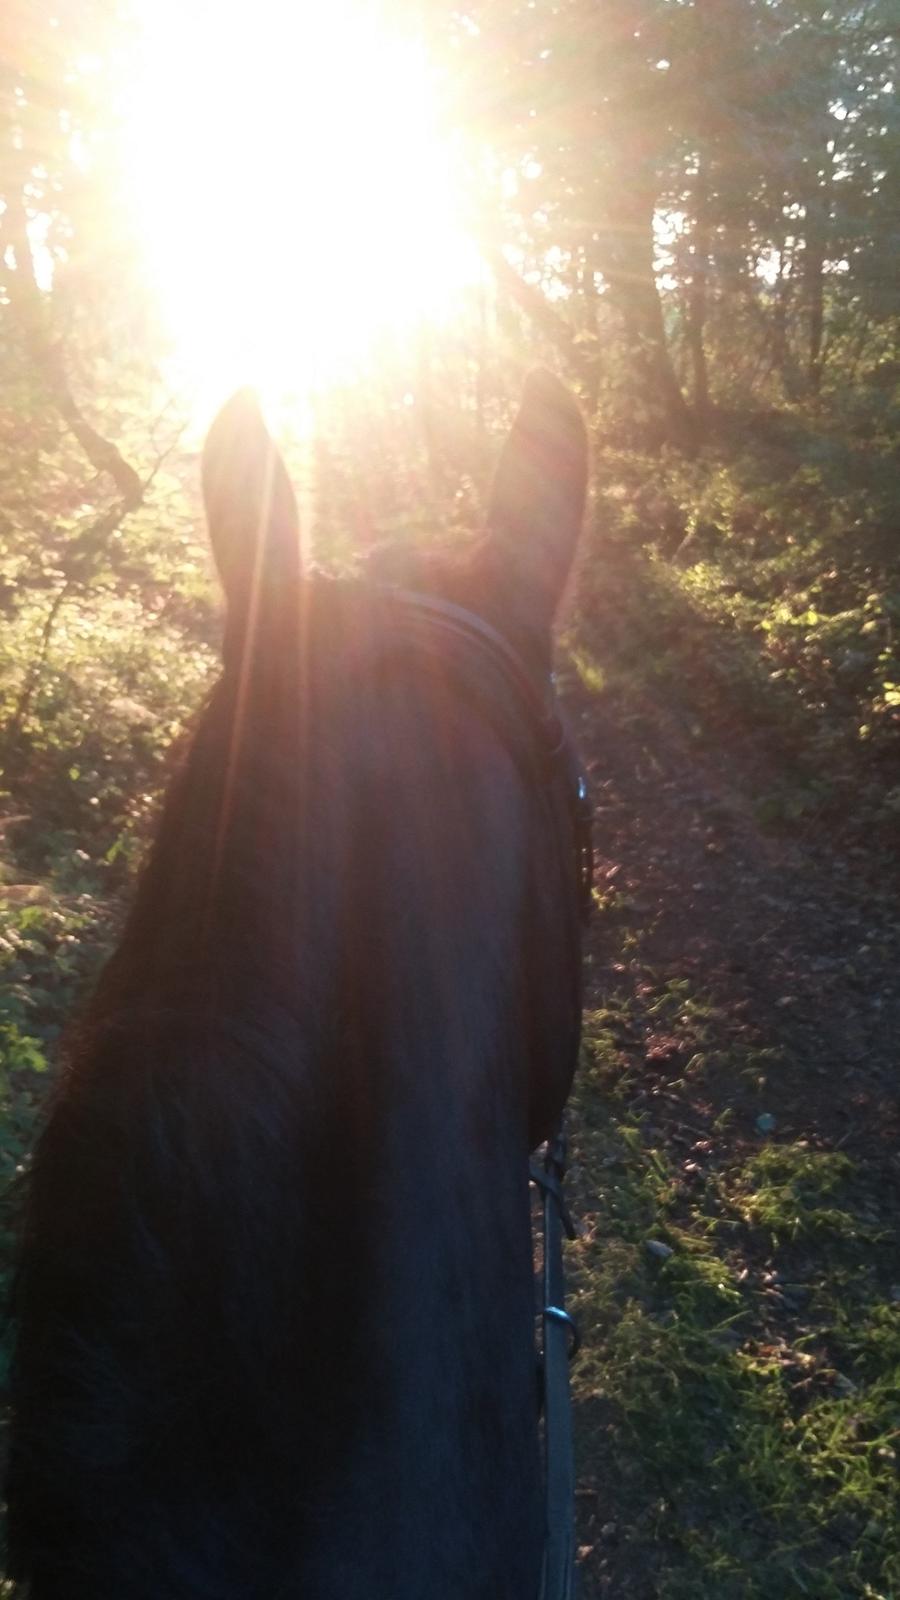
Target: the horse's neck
pixel 442 1463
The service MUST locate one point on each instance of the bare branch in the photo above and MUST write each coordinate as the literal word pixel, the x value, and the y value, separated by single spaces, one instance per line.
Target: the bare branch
pixel 25 296
pixel 539 310
pixel 35 672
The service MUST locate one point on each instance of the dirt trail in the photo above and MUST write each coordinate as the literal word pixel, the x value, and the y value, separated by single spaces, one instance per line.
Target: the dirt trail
pixel 797 942
pixel 790 949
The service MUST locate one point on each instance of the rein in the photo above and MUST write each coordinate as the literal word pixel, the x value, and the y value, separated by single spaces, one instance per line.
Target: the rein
pixel 427 619
pixel 560 1346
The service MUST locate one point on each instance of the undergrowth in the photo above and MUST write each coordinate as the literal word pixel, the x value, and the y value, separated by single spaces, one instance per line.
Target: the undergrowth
pixel 756 589
pixel 50 948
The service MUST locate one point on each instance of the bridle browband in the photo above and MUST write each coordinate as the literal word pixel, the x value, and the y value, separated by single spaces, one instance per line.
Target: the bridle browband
pixel 428 621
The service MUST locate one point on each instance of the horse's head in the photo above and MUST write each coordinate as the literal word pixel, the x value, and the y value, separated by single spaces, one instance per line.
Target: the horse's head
pixel 276 1300
pixel 373 692
pixel 514 575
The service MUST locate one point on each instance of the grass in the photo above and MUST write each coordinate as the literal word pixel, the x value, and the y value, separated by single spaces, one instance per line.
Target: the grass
pixel 738 1399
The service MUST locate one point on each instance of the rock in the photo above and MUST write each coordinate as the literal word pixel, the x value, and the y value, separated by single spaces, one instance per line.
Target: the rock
pixel 655 1247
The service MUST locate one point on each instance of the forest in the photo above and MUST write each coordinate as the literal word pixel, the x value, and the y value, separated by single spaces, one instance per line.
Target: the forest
pixel 690 211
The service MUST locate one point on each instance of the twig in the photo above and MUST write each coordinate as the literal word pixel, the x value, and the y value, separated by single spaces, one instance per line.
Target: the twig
pixel 26 297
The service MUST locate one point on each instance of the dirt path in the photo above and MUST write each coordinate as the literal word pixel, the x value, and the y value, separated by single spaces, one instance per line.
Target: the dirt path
pixel 796 942
pixel 786 951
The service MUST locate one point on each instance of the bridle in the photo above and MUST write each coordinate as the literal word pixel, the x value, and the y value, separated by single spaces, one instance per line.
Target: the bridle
pixel 440 629
pixel 433 625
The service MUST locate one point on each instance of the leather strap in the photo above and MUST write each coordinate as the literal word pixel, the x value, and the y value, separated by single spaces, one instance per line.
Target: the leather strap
pixel 560 1342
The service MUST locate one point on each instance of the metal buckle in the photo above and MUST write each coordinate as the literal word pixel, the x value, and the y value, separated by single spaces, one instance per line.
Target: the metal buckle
pixel 558 1314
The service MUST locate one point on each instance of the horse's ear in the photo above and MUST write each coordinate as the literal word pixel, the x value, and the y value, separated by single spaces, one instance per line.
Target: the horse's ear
pixel 537 503
pixel 251 512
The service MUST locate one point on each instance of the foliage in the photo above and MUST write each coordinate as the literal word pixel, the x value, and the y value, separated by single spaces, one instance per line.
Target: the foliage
pixel 758 589
pixel 49 949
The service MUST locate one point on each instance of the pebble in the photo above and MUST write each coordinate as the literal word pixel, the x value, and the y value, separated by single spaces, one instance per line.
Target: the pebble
pixel 655 1247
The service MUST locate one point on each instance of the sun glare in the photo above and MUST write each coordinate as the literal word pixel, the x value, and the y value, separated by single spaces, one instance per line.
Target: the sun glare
pixel 294 189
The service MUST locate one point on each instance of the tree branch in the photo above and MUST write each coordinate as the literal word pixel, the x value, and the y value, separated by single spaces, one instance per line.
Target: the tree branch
pixel 538 309
pixel 13 729
pixel 26 298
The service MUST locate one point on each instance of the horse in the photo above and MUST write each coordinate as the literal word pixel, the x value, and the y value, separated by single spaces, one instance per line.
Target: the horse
pixel 275 1297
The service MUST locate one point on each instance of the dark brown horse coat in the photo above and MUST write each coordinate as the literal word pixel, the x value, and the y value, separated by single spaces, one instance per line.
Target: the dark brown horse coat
pixel 275 1297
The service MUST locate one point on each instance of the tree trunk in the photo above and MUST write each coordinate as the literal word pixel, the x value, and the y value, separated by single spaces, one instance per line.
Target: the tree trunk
pixel 588 286
pixel 425 412
pixel 697 302
pixel 780 317
pixel 818 216
pixel 626 260
pixel 814 262
pixel 481 372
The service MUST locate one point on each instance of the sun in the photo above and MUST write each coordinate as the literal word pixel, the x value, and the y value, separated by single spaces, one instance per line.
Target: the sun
pixel 295 193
